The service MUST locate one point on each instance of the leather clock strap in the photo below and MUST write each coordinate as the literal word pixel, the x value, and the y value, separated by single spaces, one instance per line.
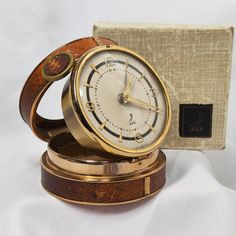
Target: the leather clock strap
pixel 54 67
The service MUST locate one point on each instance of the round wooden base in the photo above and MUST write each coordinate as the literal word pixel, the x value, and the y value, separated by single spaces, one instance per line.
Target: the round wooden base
pixel 102 190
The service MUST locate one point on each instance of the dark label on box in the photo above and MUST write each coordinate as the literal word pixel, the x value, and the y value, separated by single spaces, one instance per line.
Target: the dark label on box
pixel 195 120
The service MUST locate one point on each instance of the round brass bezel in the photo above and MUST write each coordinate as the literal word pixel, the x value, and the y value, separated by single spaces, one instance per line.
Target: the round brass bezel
pixel 78 122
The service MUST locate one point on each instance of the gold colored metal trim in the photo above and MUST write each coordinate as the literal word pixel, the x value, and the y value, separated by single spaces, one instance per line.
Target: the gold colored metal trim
pixel 65 152
pixel 147 187
pixel 90 137
pixel 50 167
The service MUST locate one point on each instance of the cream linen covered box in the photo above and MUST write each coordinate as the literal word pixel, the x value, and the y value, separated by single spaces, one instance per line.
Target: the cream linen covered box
pixel 195 64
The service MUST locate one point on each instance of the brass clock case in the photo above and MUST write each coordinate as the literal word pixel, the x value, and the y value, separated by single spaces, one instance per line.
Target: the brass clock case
pixel 79 123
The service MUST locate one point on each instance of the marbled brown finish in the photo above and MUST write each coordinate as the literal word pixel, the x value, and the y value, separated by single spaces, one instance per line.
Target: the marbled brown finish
pixel 113 192
pixel 36 86
pixel 56 64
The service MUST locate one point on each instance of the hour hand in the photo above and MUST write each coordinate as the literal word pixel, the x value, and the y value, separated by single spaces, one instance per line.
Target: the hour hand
pixel 143 104
pixel 128 87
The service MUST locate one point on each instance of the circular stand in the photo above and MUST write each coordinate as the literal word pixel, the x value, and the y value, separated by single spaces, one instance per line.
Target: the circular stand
pixel 103 189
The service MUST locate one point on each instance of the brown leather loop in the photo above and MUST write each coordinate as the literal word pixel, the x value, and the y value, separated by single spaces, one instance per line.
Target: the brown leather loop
pixel 37 84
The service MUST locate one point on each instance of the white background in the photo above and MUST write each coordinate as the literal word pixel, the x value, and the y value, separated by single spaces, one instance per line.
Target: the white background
pixel 200 195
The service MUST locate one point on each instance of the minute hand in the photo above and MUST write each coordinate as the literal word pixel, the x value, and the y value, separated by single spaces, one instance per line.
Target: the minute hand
pixel 142 104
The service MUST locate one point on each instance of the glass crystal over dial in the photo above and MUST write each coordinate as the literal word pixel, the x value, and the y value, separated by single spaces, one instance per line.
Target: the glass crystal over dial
pixel 122 99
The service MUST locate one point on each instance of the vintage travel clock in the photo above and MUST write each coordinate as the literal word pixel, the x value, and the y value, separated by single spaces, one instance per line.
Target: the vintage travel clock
pixel 116 115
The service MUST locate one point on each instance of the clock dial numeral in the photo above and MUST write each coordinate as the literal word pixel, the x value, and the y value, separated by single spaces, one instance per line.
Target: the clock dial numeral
pixel 120 137
pixel 95 69
pixel 139 138
pixel 88 85
pixel 152 128
pixel 101 127
pixel 154 92
pixel 126 64
pixel 142 75
pixel 90 106
pixel 109 61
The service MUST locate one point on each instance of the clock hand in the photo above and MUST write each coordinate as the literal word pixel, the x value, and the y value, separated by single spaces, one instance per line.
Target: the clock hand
pixel 128 81
pixel 142 104
pixel 126 74
pixel 128 87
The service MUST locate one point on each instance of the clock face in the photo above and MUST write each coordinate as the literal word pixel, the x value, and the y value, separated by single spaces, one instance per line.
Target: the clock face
pixel 122 99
